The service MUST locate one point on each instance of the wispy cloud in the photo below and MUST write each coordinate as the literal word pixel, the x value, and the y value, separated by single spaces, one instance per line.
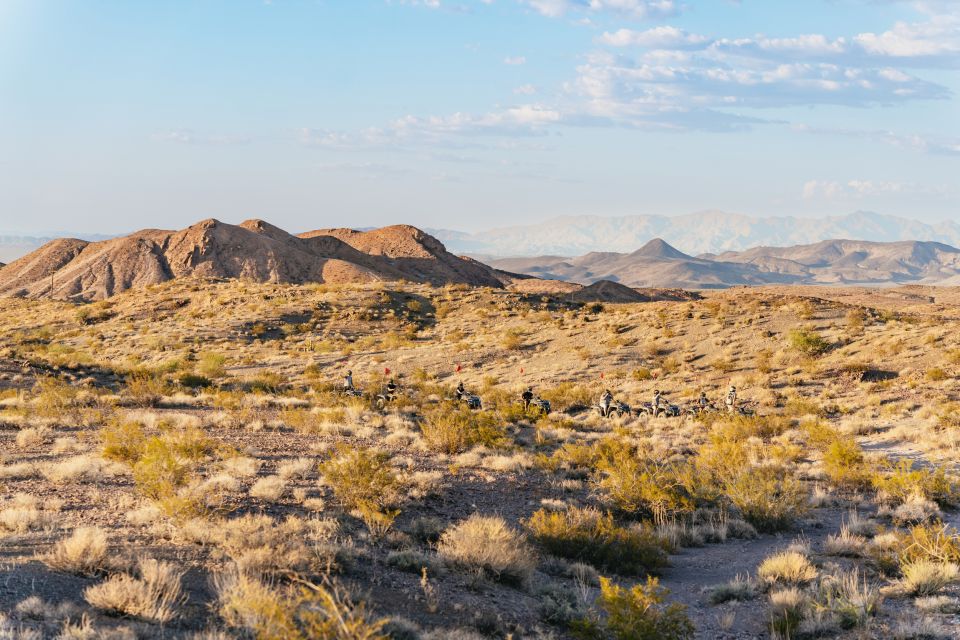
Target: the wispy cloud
pixel 935 144
pixel 861 189
pixel 189 136
pixel 515 60
pixel 632 9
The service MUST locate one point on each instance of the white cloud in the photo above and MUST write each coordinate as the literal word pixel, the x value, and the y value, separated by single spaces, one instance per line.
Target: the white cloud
pixel 515 60
pixel 861 189
pixel 665 37
pixel 525 90
pixel 938 37
pixel 633 9
pixel 189 136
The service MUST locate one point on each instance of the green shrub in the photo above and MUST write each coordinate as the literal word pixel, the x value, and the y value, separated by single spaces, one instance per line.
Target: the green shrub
pixel 194 381
pixel 212 365
pixel 768 497
pixel 896 481
pixel 636 614
pixel 844 464
pixel 145 389
pixel 808 342
pixel 361 478
pixel 641 487
pixel 123 441
pixel 160 472
pixel 452 428
pixel 588 536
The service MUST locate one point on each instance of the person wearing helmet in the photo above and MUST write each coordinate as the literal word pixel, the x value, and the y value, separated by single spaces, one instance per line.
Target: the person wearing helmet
pixel 731 399
pixel 460 391
pixel 391 388
pixel 605 401
pixel 702 401
pixel 348 381
pixel 527 397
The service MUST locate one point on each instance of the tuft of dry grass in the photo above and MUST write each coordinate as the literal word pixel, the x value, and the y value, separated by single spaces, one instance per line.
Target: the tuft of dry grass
pixel 154 594
pixel 927 577
pixel 486 544
pixel 85 552
pixel 790 567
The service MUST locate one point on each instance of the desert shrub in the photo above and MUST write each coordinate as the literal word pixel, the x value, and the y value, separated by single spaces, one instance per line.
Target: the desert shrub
pixel 85 552
pixel 153 594
pixel 144 389
pixel 790 567
pixel 927 577
pixel 261 546
pixel 936 542
pixel 194 381
pixel 361 478
pixel 738 589
pixel 301 612
pixel 936 374
pixel 123 441
pixel 160 471
pixel 636 614
pixel 739 428
pixel 586 535
pixel 211 365
pixel 486 544
pixel 512 340
pixel 568 394
pixel 787 608
pixel 641 487
pixel 848 598
pixel 768 497
pixel 844 464
pixel 451 428
pixel 56 400
pixel 808 342
pixel 897 481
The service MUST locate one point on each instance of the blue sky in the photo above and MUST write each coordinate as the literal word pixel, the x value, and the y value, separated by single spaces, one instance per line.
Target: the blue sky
pixel 117 115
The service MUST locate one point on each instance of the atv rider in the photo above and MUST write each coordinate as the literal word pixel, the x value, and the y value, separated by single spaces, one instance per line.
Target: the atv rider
pixel 527 397
pixel 703 403
pixel 657 405
pixel 391 389
pixel 731 399
pixel 460 392
pixel 606 400
pixel 348 382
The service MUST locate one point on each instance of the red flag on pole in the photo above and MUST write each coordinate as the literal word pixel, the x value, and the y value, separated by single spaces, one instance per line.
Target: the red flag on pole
pixel 601 375
pixel 386 371
pixel 458 368
pixel 521 369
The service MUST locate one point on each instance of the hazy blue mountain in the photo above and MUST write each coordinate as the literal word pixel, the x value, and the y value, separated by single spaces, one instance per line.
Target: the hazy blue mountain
pixel 705 232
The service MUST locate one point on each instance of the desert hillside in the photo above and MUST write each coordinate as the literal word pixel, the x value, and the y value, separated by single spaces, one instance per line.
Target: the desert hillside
pixel 254 250
pixel 179 462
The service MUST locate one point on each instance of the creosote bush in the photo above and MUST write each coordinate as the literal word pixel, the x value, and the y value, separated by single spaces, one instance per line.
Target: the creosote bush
pixel 637 613
pixel 588 536
pixel 769 497
pixel 452 428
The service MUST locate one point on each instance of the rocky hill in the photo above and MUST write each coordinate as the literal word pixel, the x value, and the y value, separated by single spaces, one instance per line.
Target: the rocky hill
pixel 658 264
pixel 255 250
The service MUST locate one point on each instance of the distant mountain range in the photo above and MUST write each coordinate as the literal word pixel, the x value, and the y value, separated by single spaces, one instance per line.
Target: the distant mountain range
pixel 658 264
pixel 695 233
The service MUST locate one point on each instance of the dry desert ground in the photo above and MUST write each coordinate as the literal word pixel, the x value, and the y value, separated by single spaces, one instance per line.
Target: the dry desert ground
pixel 179 462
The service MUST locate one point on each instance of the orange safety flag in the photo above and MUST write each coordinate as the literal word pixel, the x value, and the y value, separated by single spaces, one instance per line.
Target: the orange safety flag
pixel 458 368
pixel 521 370
pixel 601 375
pixel 386 371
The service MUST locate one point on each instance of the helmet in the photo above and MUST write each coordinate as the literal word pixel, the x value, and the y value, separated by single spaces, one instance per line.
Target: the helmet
pixel 349 373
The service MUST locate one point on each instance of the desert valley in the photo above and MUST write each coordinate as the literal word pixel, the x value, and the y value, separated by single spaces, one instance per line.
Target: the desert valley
pixel 182 458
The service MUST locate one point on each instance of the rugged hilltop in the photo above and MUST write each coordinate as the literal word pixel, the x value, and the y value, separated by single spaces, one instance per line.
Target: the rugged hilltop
pixel 255 250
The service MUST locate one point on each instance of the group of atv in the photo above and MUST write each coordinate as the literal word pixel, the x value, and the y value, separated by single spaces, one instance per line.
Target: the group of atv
pixel 609 407
pixel 391 392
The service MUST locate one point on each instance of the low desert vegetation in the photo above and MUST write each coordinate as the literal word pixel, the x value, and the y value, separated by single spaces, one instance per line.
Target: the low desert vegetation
pixel 184 461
